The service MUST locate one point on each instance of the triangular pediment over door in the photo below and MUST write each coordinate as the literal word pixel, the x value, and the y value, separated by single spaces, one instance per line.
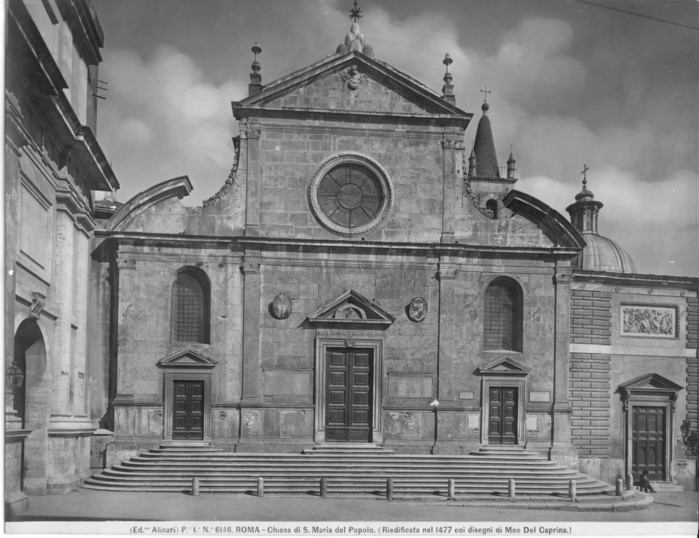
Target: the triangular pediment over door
pixel 351 310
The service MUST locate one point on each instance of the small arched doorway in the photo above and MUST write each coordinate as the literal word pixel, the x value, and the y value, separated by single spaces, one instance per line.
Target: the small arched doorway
pixel 32 403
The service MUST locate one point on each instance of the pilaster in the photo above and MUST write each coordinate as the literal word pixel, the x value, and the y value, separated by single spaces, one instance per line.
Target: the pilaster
pixel 251 390
pixel 252 214
pixel 447 274
pixel 63 296
pixel 562 449
pixel 452 159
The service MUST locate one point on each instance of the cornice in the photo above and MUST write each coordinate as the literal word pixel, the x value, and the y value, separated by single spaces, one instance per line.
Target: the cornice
pixel 635 279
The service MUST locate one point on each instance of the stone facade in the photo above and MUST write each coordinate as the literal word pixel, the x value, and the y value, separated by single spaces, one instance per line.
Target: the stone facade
pixel 434 233
pixel 53 165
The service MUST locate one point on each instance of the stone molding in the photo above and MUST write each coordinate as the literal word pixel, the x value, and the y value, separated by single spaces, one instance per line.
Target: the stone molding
pixel 453 143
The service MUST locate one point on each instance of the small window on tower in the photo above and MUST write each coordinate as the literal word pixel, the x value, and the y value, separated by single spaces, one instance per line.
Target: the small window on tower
pixel 491 208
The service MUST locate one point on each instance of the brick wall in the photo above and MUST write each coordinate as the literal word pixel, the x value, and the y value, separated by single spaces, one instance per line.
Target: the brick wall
pixel 692 321
pixel 591 317
pixel 692 391
pixel 590 393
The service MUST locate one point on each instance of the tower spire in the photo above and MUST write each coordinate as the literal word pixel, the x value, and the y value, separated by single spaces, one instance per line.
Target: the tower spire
pixel 585 211
pixel 484 147
pixel 448 88
pixel 255 77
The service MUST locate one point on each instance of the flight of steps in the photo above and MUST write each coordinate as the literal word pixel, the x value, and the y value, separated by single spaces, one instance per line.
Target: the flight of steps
pixel 348 470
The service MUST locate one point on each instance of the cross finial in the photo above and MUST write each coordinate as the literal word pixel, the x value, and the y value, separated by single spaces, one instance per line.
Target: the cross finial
pixel 486 92
pixel 584 173
pixel 355 12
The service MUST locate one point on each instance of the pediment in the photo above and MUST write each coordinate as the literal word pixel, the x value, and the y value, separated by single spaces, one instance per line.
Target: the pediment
pixel 353 83
pixel 351 310
pixel 650 382
pixel 505 366
pixel 187 358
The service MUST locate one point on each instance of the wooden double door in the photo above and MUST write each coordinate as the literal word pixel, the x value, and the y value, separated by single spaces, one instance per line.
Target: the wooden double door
pixel 502 418
pixel 349 395
pixel 648 441
pixel 188 410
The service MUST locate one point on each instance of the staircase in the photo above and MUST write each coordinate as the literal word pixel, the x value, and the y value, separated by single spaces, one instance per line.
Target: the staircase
pixel 349 471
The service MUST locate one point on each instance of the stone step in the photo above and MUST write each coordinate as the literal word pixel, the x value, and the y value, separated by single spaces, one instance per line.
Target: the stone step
pixel 564 475
pixel 486 489
pixel 227 456
pixel 347 470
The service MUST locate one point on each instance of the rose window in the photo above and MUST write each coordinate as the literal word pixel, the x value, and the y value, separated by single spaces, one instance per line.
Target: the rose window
pixel 351 196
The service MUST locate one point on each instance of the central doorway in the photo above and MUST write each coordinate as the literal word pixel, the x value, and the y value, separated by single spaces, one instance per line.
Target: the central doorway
pixel 348 389
pixel 188 406
pixel 502 421
pixel 648 441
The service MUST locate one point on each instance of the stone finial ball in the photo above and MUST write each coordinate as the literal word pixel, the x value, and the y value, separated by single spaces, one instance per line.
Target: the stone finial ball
pixel 355 28
pixel 360 37
pixel 355 45
pixel 485 107
pixel 342 49
pixel 349 38
pixel 368 51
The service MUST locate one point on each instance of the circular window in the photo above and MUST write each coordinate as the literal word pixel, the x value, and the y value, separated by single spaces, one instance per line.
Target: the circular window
pixel 350 194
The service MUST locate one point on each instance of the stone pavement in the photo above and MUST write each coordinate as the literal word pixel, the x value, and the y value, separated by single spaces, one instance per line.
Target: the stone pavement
pixel 86 505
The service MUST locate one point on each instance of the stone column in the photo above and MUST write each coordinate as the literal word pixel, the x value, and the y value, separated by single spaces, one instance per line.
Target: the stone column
pixel 63 296
pixel 452 174
pixel 562 450
pixel 81 304
pixel 251 390
pixel 252 214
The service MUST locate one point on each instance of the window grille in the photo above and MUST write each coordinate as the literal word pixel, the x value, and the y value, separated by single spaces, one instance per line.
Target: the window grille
pixel 190 323
pixel 502 326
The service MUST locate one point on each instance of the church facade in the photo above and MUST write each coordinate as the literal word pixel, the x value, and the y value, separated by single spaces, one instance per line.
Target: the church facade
pixel 362 277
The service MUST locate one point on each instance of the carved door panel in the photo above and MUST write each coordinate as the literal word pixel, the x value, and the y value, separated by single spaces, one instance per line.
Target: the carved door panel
pixel 348 396
pixel 188 414
pixel 502 423
pixel 649 441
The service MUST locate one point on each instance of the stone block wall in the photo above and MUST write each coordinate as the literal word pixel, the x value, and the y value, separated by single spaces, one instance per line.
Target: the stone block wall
pixel 289 155
pixel 591 317
pixel 692 321
pixel 590 377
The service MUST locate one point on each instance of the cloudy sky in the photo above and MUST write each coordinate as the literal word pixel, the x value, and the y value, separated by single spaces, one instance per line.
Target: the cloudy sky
pixel 612 85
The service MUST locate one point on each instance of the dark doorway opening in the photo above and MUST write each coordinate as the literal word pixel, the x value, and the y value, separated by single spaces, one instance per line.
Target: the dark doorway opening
pixel 649 441
pixel 348 391
pixel 188 415
pixel 502 422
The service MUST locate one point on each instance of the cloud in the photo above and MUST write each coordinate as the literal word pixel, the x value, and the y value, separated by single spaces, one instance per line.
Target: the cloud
pixel 178 122
pixel 656 223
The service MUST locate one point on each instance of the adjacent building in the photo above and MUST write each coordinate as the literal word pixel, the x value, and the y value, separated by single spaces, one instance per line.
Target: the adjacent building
pixel 53 166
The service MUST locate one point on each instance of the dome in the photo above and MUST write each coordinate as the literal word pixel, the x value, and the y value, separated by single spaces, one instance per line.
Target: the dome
pixel 603 254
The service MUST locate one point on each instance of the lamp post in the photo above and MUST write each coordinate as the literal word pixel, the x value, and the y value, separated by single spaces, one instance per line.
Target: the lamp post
pixel 435 405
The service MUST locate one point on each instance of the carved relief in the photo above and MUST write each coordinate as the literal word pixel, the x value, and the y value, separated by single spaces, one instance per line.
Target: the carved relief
pixel 349 311
pixel 649 321
pixel 38 302
pixel 353 78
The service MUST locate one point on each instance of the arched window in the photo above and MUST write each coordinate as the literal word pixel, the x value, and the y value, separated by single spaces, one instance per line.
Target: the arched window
pixel 491 208
pixel 190 307
pixel 502 325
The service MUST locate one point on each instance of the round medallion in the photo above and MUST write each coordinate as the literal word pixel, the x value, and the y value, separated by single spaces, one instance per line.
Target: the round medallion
pixel 350 194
